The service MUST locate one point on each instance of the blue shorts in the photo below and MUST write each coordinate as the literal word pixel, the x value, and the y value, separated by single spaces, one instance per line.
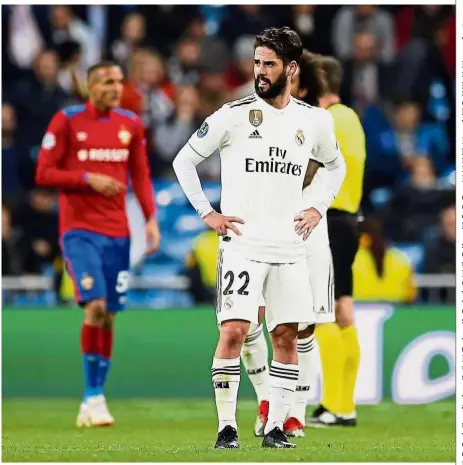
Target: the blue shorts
pixel 99 267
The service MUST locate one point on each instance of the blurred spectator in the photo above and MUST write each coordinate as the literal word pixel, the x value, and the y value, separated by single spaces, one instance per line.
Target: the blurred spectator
pixel 36 100
pixel 371 19
pixel 72 70
pixel 365 79
pixel 244 66
pixel 67 27
pixel 11 158
pixel 147 91
pixel 424 74
pixel 133 34
pixel 174 133
pixel 305 19
pixel 212 84
pixel 183 64
pixel 392 144
pixel 165 24
pixel 245 20
pixel 11 262
pixel 440 252
pixel 25 38
pixel 38 222
pixel 381 272
pixel 416 205
pixel 422 22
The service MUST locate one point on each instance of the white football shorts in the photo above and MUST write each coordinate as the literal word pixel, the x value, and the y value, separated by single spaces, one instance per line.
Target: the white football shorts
pixel 321 282
pixel 242 282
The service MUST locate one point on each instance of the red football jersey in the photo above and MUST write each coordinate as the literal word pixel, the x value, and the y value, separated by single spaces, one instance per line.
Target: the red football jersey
pixel 82 140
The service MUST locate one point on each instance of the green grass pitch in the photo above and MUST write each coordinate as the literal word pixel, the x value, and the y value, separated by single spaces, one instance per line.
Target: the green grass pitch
pixel 185 430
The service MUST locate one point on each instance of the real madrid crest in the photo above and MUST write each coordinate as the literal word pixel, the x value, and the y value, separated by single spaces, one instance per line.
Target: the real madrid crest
pixel 300 138
pixel 256 117
pixel 124 136
pixel 228 304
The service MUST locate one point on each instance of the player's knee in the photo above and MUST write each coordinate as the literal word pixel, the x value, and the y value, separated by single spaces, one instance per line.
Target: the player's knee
pixel 307 332
pixel 233 333
pixel 108 321
pixel 95 312
pixel 345 312
pixel 284 338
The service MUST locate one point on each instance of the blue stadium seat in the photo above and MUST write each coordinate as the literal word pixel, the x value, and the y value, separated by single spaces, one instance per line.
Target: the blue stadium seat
pixel 154 269
pixel 380 197
pixel 170 194
pixel 212 190
pixel 176 247
pixel 29 299
pixel 188 224
pixel 160 298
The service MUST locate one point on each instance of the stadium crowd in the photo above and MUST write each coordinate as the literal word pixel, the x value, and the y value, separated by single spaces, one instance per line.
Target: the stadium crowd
pixel 183 62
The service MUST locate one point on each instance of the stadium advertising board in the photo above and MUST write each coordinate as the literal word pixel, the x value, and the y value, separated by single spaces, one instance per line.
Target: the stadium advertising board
pixel 408 354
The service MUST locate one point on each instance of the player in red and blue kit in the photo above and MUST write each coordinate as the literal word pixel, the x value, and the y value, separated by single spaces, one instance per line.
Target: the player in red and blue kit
pixel 88 153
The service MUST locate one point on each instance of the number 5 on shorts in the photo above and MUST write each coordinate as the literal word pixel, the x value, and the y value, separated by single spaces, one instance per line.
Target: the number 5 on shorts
pixel 122 283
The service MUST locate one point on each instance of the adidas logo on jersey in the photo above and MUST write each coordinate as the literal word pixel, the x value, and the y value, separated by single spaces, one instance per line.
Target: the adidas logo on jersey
pixel 255 135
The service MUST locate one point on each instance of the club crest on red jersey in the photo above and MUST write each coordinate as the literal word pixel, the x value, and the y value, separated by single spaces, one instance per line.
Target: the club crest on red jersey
pixel 124 136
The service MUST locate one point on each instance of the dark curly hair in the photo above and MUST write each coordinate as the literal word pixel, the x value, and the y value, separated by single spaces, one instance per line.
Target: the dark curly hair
pixel 285 42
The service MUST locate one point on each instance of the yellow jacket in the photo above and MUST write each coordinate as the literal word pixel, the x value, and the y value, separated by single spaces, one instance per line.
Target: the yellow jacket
pixel 397 283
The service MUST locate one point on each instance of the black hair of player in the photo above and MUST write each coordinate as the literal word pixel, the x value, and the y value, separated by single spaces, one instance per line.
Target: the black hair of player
pixel 101 65
pixel 312 78
pixel 285 42
pixel 333 72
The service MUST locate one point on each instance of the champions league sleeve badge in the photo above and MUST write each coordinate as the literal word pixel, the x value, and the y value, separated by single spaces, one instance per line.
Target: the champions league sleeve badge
pixel 203 130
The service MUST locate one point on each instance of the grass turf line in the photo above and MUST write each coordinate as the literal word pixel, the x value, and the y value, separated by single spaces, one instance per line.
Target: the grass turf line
pixel 42 430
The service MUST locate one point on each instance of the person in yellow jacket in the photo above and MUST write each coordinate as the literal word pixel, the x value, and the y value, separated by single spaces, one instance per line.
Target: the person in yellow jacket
pixel 338 342
pixel 381 273
pixel 201 267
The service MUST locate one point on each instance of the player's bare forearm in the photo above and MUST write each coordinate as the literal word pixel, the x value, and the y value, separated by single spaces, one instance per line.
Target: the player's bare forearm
pixel 312 169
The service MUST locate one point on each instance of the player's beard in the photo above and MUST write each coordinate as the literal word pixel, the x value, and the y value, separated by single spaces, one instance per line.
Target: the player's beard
pixel 274 90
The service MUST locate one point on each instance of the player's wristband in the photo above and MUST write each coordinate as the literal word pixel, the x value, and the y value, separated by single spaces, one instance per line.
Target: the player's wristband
pixel 85 177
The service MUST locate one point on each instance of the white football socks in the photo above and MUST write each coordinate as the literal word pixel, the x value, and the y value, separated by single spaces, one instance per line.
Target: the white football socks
pixel 254 355
pixel 226 380
pixel 306 356
pixel 283 381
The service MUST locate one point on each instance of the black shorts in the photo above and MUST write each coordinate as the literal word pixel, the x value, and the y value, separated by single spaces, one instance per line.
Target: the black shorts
pixel 343 231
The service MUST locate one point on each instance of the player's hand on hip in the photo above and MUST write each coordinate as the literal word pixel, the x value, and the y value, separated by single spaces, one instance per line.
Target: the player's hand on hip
pixel 221 224
pixel 153 236
pixel 105 185
pixel 306 222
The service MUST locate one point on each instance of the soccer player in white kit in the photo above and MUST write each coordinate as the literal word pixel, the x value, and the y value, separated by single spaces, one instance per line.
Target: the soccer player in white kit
pixel 265 143
pixel 308 85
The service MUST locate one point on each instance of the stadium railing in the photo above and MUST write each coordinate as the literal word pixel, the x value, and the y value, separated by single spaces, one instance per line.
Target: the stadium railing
pixel 439 288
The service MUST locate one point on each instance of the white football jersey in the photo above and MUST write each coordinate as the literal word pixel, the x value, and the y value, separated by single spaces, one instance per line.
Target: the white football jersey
pixel 264 155
pixel 312 194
